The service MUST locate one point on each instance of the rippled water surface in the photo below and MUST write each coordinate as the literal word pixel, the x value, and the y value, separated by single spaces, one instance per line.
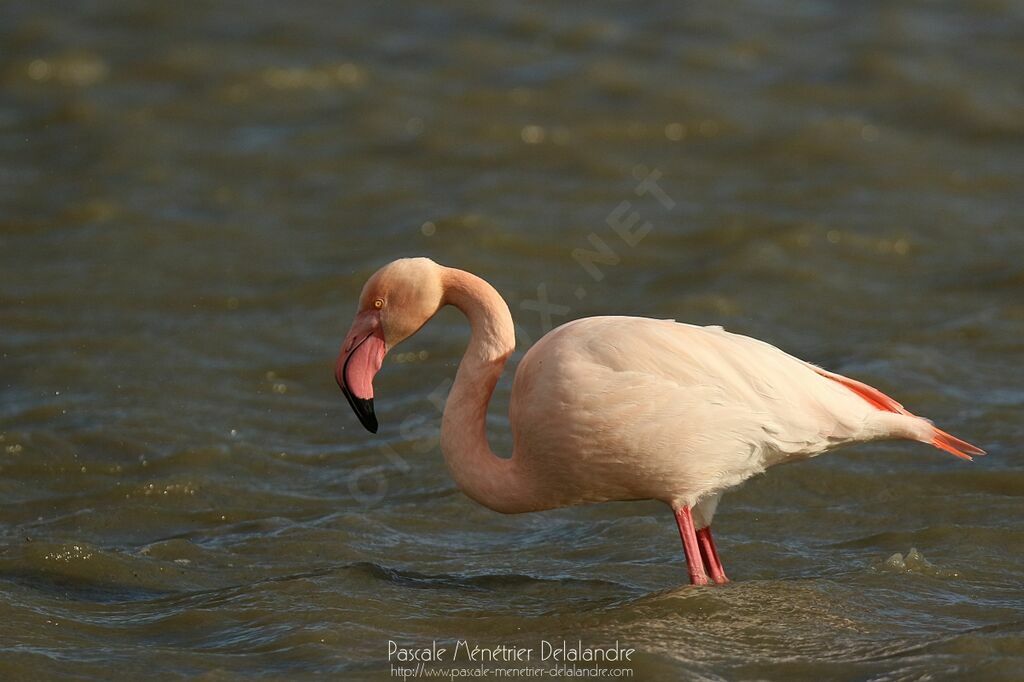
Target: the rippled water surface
pixel 192 193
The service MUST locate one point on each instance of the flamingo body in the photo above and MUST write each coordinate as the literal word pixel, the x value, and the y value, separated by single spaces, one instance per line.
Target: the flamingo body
pixel 619 408
pixel 614 408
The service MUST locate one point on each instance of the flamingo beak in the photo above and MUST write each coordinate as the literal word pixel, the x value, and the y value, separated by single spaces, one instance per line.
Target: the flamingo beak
pixel 361 356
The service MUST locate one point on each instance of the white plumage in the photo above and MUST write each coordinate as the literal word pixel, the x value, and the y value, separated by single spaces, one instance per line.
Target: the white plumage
pixel 654 409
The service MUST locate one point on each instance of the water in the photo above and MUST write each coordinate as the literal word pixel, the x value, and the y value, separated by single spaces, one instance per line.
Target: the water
pixel 191 195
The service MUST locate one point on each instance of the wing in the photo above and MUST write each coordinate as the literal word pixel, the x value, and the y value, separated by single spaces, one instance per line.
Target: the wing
pixel 669 408
pixel 797 410
pixel 675 403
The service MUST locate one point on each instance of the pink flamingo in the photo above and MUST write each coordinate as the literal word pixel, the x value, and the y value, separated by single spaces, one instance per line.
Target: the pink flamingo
pixel 618 408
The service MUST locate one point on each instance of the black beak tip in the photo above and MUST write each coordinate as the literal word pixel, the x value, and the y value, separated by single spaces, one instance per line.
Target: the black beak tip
pixel 368 418
pixel 363 407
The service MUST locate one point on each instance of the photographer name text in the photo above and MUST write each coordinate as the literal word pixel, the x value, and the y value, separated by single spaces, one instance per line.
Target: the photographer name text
pixel 559 651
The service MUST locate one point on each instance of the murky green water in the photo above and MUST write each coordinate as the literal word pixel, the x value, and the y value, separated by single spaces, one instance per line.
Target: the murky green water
pixel 192 193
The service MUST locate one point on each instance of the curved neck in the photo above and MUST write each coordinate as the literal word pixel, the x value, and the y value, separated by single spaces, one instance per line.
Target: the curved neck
pixel 483 476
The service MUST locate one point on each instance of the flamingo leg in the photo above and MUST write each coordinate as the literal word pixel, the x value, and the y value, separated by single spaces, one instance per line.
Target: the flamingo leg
pixel 694 561
pixel 710 555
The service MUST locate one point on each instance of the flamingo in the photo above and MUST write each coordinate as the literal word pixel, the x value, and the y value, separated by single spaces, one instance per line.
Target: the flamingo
pixel 618 408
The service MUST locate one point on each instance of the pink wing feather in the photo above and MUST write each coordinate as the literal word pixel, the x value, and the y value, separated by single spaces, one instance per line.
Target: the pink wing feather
pixel 940 439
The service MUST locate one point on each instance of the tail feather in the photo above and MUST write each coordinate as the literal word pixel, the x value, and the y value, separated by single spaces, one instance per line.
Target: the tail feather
pixel 933 435
pixel 955 446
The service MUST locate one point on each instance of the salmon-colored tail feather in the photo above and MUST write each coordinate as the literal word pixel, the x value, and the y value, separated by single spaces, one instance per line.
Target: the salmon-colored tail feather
pixel 955 446
pixel 872 395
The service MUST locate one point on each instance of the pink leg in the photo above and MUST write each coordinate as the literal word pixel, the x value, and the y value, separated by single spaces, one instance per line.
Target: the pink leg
pixel 694 563
pixel 710 555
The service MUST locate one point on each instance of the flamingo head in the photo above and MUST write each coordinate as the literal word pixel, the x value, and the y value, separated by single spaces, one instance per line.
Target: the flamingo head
pixel 395 302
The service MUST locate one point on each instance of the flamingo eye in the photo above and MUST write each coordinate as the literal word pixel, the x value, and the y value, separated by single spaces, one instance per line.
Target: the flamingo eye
pixel 378 303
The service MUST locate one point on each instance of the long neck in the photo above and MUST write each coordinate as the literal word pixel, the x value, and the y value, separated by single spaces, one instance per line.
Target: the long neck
pixel 479 473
